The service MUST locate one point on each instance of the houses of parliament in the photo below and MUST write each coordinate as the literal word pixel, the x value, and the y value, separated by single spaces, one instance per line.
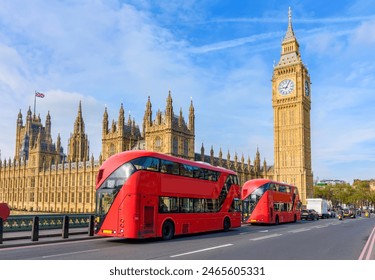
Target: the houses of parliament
pixel 41 177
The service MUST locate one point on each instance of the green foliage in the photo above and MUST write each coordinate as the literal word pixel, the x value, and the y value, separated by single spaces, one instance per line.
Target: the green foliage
pixel 359 195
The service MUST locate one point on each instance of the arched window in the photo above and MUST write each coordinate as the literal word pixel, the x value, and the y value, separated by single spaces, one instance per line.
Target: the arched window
pixel 157 144
pixel 186 147
pixel 175 146
pixel 111 151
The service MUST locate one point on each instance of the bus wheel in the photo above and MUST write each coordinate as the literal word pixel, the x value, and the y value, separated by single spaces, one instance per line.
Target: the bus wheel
pixel 226 224
pixel 167 230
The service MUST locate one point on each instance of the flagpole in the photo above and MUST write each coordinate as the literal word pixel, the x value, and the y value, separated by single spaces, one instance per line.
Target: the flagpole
pixel 34 102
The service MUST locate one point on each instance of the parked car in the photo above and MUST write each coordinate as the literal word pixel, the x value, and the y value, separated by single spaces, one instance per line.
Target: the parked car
pixel 309 214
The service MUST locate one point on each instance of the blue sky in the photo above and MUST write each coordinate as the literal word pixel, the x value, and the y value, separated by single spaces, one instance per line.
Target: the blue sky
pixel 219 53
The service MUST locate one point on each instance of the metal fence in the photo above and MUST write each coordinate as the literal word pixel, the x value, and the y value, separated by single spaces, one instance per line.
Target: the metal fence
pixel 25 222
pixel 34 224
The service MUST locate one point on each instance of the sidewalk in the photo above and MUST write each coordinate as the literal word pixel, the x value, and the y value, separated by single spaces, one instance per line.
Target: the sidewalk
pixel 23 238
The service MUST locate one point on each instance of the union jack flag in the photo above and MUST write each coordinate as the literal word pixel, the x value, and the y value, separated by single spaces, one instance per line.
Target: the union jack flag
pixel 39 94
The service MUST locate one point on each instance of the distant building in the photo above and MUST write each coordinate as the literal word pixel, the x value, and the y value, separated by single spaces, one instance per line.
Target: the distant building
pixel 370 182
pixel 325 182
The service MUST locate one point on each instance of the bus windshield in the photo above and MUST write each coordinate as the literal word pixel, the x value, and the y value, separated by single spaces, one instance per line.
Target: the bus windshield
pixel 108 190
pixel 252 200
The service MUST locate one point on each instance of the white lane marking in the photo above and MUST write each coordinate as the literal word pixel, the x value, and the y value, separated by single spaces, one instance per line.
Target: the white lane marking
pixel 368 247
pixel 265 237
pixel 299 230
pixel 321 226
pixel 70 253
pixel 202 250
pixel 263 230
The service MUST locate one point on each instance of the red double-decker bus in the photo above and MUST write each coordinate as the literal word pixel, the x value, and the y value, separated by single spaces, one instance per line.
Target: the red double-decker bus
pixel 269 202
pixel 143 194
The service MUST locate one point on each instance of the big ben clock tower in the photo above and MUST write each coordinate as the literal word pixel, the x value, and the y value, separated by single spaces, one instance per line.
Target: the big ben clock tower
pixel 291 101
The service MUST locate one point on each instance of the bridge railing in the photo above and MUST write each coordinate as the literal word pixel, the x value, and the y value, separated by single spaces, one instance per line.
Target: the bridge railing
pixel 35 223
pixel 46 221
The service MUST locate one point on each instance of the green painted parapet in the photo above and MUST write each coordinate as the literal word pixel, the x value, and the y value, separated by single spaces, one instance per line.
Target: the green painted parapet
pixel 25 222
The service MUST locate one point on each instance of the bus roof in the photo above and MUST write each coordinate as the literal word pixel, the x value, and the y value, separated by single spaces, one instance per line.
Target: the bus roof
pixel 261 181
pixel 249 186
pixel 126 156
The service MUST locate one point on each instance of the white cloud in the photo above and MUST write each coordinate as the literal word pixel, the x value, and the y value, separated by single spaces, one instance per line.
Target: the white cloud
pixel 365 33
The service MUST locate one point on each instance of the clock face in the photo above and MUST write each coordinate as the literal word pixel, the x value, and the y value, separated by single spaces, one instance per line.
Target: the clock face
pixel 286 87
pixel 307 88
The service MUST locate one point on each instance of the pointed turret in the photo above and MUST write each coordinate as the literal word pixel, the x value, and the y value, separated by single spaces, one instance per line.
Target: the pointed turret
pixel 180 119
pixel 29 119
pixel 19 119
pixel 78 149
pixel 48 126
pixel 235 161
pixel 58 143
pixel 264 167
pixel 289 46
pixel 79 125
pixel 243 163
pixel 169 108
pixel 147 119
pixel 105 122
pixel 220 158
pixel 257 162
pixel 202 153
pixel 289 36
pixel 191 124
pixel 121 119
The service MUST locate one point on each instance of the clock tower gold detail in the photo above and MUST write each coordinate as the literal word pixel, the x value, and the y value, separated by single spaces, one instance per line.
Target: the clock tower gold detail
pixel 291 101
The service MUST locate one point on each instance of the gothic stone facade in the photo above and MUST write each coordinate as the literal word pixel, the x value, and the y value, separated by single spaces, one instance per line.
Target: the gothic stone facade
pixel 42 178
pixel 291 100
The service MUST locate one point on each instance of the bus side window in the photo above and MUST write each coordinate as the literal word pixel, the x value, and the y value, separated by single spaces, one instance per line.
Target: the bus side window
pixel 169 167
pixel 163 201
pixel 276 206
pixel 186 170
pixel 212 175
pixel 198 172
pixel 198 205
pixel 173 204
pixel 186 205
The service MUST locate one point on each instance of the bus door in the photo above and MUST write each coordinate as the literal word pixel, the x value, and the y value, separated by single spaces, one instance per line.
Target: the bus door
pixel 271 213
pixel 149 214
pixel 245 210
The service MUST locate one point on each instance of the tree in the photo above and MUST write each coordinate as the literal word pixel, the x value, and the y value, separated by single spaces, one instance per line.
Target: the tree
pixel 358 195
